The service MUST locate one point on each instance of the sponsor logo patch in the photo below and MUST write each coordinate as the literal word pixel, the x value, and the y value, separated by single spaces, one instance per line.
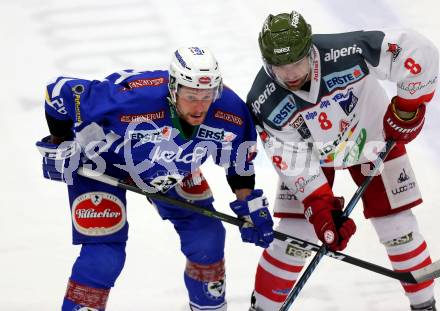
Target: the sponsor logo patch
pixel 269 89
pixel 215 134
pixel 204 80
pixel 228 117
pixel 285 109
pixel 295 19
pixel 311 115
pixel 413 87
pixel 144 83
pixel 356 151
pixel 346 51
pixel 347 101
pixel 315 66
pixel 196 50
pixel 405 183
pixel 98 214
pixel 301 183
pixel 300 125
pixel 151 136
pixel 343 78
pixel 142 117
pixel 77 91
pixel 324 104
pixel 281 50
pixel 329 236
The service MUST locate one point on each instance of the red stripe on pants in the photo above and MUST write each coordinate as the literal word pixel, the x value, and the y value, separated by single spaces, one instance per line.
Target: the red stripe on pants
pixel 412 288
pixel 279 264
pixel 409 255
pixel 271 286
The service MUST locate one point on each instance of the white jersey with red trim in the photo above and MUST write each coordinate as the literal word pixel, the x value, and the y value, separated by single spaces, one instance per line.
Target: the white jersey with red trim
pixel 339 121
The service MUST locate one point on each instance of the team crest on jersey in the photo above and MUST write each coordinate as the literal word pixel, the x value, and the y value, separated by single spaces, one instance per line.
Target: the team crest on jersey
pixel 346 100
pixel 284 111
pixel 98 214
pixel 164 180
pixel 215 134
pixel 394 49
pixel 343 78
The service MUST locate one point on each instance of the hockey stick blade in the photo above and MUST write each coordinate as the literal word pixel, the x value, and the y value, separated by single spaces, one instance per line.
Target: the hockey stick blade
pixel 427 273
pixel 407 277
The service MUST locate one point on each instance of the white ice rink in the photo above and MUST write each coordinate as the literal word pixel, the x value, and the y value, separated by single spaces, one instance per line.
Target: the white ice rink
pixel 41 39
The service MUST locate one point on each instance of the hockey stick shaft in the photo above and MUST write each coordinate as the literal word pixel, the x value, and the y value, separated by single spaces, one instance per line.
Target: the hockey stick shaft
pixel 323 249
pixel 407 277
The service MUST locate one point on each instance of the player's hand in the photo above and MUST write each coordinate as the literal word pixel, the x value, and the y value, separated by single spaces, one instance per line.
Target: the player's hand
pixel 59 161
pixel 258 226
pixel 333 229
pixel 402 126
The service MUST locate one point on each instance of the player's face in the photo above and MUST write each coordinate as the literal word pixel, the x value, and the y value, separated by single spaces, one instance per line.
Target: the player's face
pixel 193 104
pixel 293 75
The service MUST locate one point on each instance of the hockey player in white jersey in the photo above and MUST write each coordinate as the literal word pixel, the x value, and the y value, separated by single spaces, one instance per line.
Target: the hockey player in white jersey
pixel 318 106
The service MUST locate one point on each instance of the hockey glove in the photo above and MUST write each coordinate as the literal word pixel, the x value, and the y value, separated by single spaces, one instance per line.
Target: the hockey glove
pixel 59 161
pixel 400 125
pixel 258 226
pixel 333 229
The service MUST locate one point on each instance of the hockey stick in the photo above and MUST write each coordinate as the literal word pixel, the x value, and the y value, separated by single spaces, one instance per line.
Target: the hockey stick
pixel 430 272
pixel 323 249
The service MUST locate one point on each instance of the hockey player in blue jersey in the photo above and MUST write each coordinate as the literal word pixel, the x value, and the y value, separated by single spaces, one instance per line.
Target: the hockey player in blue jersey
pixel 155 128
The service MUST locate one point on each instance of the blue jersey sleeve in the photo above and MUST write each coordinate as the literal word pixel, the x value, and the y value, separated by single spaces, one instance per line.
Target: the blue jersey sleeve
pixel 62 100
pixel 245 150
pixel 242 149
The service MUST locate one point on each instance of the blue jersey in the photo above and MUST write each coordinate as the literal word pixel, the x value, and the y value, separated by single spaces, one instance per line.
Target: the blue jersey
pixel 125 124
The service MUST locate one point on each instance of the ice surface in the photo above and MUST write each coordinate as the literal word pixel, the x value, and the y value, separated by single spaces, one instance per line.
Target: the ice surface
pixel 42 39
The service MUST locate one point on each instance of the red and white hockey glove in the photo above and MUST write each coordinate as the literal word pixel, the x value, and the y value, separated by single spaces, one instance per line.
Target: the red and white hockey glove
pixel 333 229
pixel 401 125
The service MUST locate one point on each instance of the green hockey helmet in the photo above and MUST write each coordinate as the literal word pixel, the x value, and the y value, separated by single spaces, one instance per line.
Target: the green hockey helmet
pixel 285 38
